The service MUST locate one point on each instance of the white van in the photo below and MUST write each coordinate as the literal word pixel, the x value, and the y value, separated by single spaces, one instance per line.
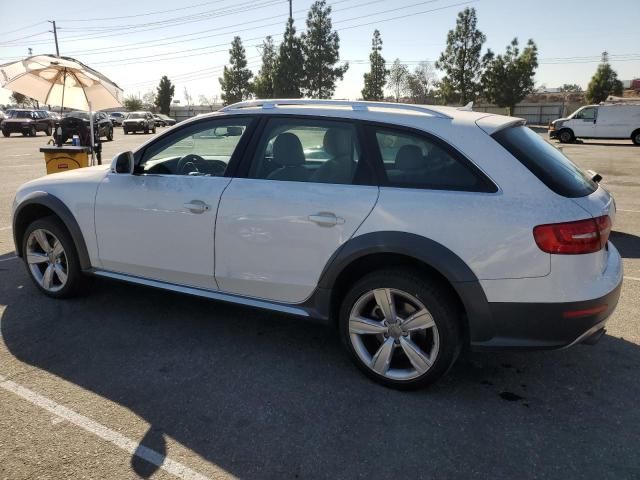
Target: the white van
pixel 615 121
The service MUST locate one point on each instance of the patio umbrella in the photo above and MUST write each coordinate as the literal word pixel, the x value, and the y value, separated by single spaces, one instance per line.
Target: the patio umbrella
pixel 63 81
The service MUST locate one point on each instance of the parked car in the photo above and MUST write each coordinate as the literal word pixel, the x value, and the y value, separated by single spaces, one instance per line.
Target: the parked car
pixel 139 122
pixel 55 116
pixel 116 118
pixel 417 230
pixel 615 121
pixel 28 122
pixel 74 121
pixel 159 121
pixel 168 121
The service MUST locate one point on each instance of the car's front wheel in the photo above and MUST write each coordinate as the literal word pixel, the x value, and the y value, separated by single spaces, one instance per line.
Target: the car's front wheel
pixel 566 136
pixel 32 131
pixel 51 258
pixel 6 133
pixel 401 328
pixel 110 134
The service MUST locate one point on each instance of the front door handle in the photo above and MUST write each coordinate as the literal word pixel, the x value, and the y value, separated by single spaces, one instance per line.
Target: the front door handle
pixel 326 219
pixel 196 206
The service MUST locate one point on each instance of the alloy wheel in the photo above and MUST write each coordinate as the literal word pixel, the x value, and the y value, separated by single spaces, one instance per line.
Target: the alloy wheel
pixel 47 260
pixel 393 333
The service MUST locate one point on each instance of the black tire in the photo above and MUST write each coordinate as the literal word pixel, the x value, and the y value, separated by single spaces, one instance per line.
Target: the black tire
pixel 566 136
pixel 154 129
pixel 48 131
pixel 6 133
pixel 32 131
pixel 146 130
pixel 635 137
pixel 110 135
pixel 126 132
pixel 439 302
pixel 24 134
pixel 76 282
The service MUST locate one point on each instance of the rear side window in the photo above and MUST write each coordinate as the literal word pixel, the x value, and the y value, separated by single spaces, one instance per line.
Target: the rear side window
pixel 546 162
pixel 415 160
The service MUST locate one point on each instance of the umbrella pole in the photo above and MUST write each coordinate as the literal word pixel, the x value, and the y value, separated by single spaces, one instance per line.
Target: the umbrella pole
pixel 93 155
pixel 64 82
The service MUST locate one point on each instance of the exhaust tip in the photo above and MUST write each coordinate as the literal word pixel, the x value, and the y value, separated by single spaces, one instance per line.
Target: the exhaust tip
pixel 594 337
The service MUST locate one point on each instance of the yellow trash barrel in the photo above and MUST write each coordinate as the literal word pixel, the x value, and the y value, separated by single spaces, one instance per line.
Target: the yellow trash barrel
pixel 61 159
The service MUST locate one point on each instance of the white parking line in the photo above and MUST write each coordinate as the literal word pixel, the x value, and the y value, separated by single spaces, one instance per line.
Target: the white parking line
pixel 632 278
pixel 628 211
pixel 7 259
pixel 175 468
pixel 5 228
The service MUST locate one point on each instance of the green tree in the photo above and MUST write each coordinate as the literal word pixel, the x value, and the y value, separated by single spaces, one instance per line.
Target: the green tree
pixel 289 69
pixel 421 82
pixel 235 81
pixel 461 60
pixel 509 78
pixel 321 47
pixel 23 100
pixel 375 80
pixel 571 88
pixel 132 103
pixel 165 92
pixel 603 83
pixel 398 78
pixel 263 85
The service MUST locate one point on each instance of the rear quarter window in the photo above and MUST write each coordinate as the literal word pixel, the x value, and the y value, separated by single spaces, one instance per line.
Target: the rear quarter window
pixel 546 162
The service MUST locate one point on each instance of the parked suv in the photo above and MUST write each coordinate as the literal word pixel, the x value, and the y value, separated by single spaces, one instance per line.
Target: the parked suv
pixel 139 122
pixel 27 122
pixel 74 122
pixel 417 230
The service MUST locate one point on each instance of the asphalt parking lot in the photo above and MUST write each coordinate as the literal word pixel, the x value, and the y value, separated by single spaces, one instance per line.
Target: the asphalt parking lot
pixel 211 390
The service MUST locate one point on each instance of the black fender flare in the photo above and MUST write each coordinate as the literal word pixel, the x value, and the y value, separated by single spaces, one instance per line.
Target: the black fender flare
pixel 59 208
pixel 429 252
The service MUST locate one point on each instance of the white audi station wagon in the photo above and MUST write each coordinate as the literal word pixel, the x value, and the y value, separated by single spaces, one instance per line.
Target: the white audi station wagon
pixel 416 230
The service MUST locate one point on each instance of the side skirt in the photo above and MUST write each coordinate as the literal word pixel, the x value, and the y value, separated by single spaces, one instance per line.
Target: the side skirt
pixel 199 292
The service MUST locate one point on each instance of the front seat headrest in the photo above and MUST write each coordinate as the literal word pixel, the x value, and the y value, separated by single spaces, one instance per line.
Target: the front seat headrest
pixel 287 150
pixel 409 157
pixel 338 142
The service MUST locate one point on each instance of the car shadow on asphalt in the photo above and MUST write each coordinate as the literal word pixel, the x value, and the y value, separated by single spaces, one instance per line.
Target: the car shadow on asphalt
pixel 267 396
pixel 627 244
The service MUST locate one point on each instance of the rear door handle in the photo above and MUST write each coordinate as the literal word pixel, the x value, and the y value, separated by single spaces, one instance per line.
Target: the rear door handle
pixel 326 219
pixel 196 206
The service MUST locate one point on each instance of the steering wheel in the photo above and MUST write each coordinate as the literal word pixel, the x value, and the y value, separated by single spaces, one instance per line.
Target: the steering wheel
pixel 189 164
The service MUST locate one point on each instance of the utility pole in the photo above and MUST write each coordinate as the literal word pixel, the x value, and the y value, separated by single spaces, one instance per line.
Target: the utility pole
pixel 55 36
pixel 290 9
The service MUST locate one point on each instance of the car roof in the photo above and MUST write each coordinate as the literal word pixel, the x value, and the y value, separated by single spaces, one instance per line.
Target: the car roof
pixel 393 113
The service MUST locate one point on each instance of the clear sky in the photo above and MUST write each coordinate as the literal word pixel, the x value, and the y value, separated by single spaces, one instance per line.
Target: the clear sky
pixel 134 46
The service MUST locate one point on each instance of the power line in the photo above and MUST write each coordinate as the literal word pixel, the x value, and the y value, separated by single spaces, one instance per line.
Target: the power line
pixel 23 28
pixel 143 59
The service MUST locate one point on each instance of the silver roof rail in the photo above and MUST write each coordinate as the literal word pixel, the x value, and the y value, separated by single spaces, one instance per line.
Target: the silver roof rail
pixel 356 105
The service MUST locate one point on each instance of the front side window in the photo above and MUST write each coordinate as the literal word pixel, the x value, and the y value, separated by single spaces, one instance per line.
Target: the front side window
pixel 588 113
pixel 201 149
pixel 308 150
pixel 418 161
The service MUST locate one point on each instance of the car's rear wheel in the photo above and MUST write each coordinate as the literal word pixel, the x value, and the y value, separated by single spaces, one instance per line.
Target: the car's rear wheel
pixel 154 129
pixel 48 131
pixel 566 136
pixel 110 134
pixel 125 131
pixel 51 258
pixel 32 131
pixel 146 130
pixel 6 133
pixel 635 137
pixel 401 328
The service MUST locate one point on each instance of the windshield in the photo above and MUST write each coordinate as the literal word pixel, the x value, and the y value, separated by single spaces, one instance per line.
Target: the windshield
pixel 136 115
pixel 82 115
pixel 546 162
pixel 20 114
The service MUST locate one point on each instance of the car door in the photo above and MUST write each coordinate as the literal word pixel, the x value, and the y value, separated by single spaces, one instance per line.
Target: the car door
pixel 159 222
pixel 303 191
pixel 584 122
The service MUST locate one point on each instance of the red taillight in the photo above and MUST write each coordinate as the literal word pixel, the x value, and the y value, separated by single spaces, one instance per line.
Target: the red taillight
pixel 572 238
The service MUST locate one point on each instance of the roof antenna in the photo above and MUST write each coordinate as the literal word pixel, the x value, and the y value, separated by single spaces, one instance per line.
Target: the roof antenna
pixel 467 108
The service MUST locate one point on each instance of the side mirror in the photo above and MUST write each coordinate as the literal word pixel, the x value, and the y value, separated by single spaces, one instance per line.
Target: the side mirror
pixel 123 163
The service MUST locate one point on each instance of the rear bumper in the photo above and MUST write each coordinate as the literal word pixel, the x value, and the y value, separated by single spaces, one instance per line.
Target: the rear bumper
pixel 539 326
